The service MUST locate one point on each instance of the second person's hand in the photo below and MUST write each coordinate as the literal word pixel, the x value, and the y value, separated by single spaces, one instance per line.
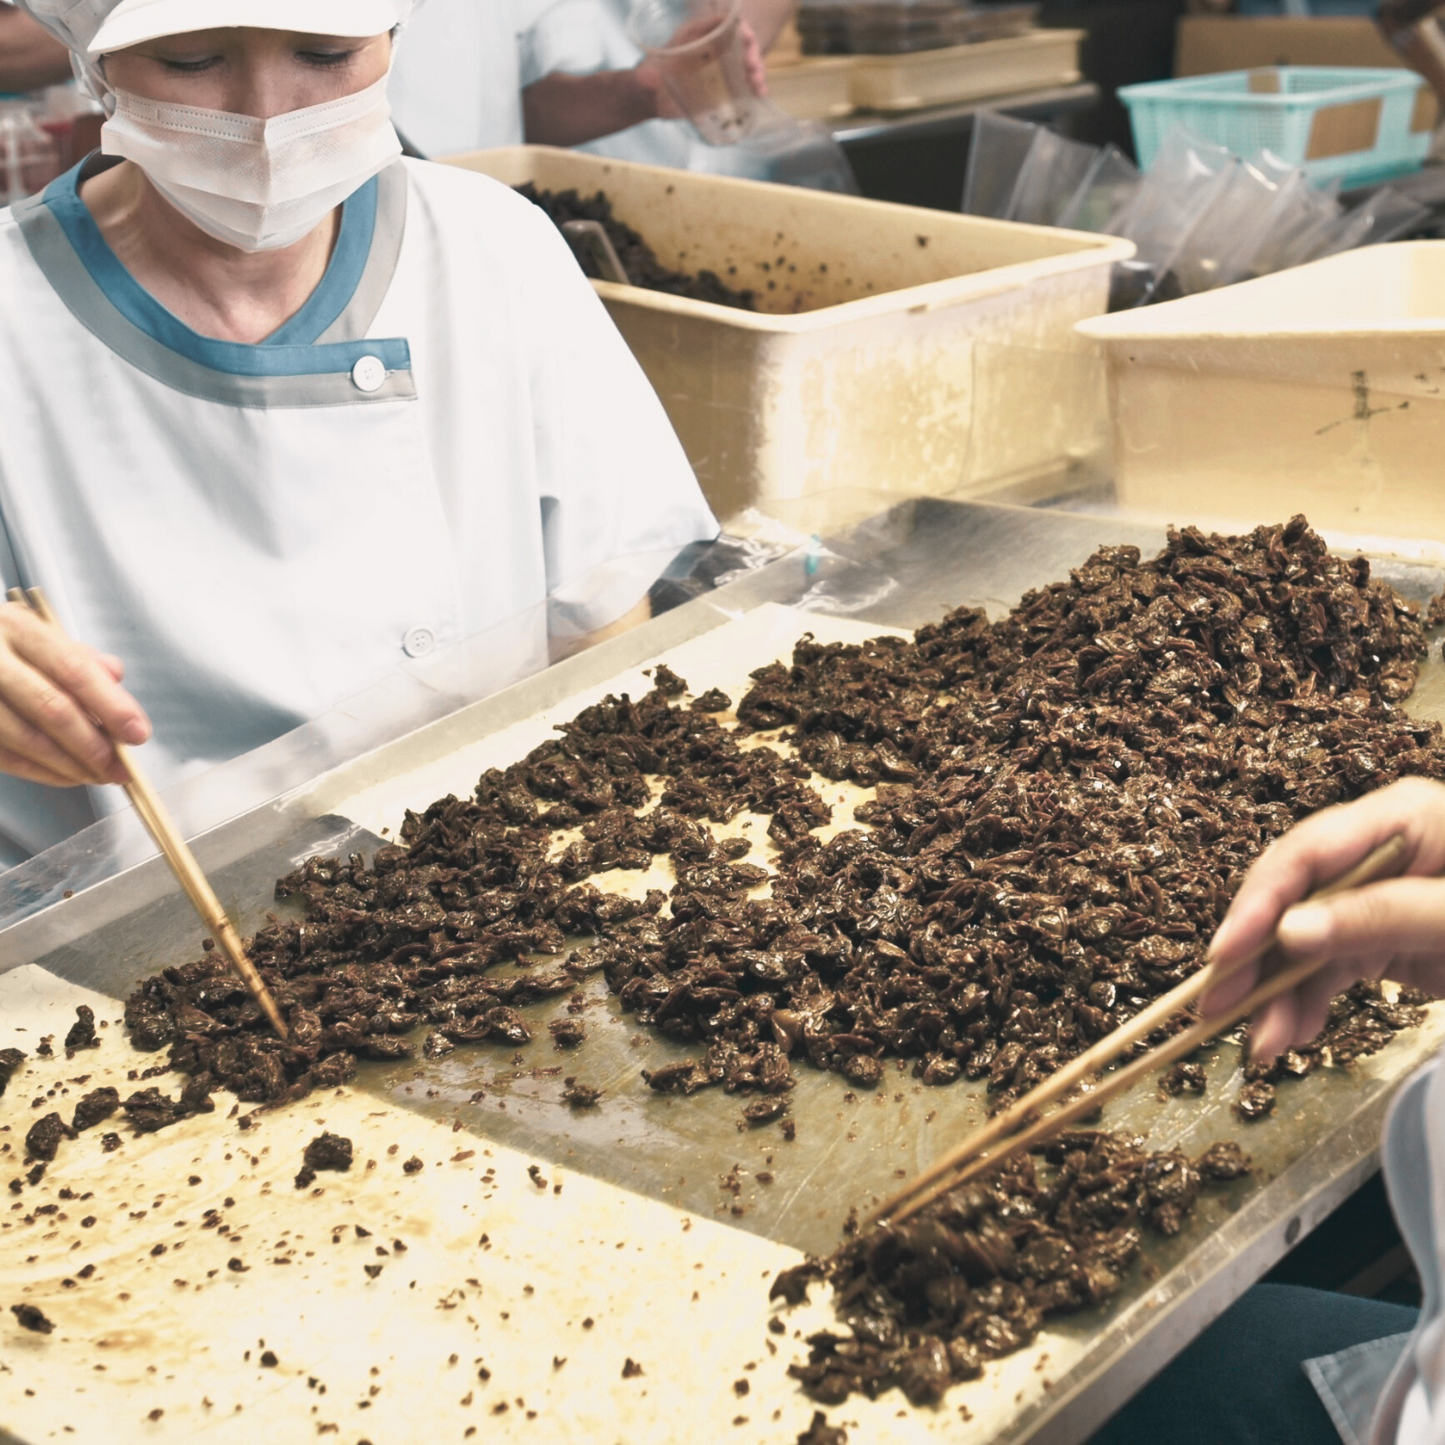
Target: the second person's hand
pixel 1392 929
pixel 648 76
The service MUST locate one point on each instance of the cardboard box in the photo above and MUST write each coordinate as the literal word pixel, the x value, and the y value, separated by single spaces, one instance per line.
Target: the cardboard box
pixel 1208 44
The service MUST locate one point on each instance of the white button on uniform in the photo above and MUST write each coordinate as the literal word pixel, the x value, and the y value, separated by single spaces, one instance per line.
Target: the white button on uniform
pixel 418 642
pixel 368 374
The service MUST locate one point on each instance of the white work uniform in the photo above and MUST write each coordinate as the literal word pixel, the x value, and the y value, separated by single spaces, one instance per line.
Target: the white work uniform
pixel 1392 1391
pixel 448 435
pixel 455 85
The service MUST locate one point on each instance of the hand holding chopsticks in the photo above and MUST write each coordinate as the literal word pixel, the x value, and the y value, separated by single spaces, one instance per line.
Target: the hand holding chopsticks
pixel 969 1158
pixel 173 848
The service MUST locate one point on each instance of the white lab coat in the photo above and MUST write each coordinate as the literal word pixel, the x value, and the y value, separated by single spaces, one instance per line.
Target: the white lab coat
pixel 450 434
pixel 1392 1391
pixel 455 85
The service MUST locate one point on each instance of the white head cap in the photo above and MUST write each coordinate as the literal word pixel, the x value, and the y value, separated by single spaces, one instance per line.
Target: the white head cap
pixel 93 28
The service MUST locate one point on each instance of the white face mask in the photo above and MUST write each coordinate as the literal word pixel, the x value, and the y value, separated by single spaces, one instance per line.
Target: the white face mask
pixel 256 184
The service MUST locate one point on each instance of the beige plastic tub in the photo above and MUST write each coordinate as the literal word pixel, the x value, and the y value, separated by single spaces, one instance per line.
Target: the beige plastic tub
pixel 813 87
pixel 1036 61
pixel 1317 390
pixel 855 383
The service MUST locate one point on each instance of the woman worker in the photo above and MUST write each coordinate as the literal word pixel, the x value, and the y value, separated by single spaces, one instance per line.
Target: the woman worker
pixel 283 411
pixel 1291 1366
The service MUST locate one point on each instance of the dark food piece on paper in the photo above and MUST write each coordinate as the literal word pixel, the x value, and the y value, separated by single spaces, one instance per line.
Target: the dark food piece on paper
pixel 325 1151
pixel 31 1318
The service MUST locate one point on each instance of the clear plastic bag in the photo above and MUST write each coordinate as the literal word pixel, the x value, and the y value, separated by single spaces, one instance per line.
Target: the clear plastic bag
pixel 1050 177
pixel 1320 229
pixel 1226 238
pixel 1386 215
pixel 997 150
pixel 1186 180
pixel 1104 193
pixel 1297 209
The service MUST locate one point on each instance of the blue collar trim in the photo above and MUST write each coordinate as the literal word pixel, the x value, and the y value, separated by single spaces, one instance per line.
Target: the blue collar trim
pixel 292 350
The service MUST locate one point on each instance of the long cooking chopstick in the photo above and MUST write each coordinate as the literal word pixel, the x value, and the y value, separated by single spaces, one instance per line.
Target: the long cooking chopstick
pixel 963 1162
pixel 173 847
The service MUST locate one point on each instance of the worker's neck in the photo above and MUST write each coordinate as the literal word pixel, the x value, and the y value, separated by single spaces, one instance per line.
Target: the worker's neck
pixel 214 288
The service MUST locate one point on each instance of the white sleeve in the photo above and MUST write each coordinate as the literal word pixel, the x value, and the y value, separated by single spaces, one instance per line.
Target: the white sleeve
pixel 570 36
pixel 618 496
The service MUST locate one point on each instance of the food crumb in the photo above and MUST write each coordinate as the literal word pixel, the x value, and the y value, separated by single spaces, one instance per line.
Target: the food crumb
pixel 31 1318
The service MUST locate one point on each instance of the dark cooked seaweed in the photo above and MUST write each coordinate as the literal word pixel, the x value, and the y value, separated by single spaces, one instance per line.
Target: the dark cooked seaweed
pixel 95 1107
pixel 1065 801
pixel 82 1031
pixel 972 1276
pixel 44 1137
pixel 638 259
pixel 579 1095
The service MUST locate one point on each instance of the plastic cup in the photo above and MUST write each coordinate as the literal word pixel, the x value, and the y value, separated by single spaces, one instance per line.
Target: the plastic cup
pixel 697 46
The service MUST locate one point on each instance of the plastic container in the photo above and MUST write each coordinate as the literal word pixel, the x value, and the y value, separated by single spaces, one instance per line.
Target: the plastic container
pixel 1359 126
pixel 697 45
pixel 1318 390
pixel 997 22
pixel 823 27
pixel 1036 61
pixel 817 87
pixel 901 27
pixel 855 385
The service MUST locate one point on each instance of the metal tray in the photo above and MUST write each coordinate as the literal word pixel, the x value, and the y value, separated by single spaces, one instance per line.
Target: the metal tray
pixel 906 568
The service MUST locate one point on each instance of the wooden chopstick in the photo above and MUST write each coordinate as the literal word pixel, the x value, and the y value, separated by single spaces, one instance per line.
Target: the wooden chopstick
pixel 964 1162
pixel 168 839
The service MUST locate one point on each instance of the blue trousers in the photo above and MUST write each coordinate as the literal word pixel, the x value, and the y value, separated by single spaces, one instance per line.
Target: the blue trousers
pixel 1240 1382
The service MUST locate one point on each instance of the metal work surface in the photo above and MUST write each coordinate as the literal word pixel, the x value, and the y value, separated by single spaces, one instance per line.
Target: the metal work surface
pixel 852 1145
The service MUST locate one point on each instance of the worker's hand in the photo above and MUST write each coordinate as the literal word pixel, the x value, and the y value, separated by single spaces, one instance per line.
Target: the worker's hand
pixel 1392 929
pixel 51 692
pixel 649 79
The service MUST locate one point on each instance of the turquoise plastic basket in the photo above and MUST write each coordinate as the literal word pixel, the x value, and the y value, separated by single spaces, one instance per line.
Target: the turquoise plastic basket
pixel 1278 109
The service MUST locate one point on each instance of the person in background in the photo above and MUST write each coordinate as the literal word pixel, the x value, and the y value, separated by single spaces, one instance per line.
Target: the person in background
pixel 479 74
pixel 30 57
pixel 587 84
pixel 286 415
pixel 1293 1366
pixel 456 83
